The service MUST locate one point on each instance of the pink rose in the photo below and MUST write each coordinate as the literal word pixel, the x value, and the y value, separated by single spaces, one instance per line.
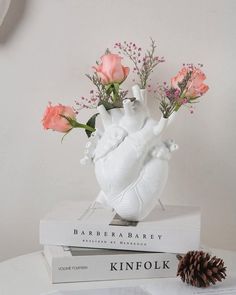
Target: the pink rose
pixel 52 118
pixel 179 78
pixel 194 83
pixel 111 70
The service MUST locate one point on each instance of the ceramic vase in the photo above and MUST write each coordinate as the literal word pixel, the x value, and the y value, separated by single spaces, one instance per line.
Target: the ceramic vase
pixel 130 158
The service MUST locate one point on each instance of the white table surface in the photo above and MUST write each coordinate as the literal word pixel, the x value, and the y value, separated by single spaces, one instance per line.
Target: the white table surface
pixel 28 275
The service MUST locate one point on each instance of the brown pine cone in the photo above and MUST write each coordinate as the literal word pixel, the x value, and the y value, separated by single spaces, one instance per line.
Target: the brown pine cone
pixel 199 269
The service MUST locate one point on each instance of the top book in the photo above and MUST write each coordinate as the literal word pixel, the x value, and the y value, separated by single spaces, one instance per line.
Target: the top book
pixel 82 224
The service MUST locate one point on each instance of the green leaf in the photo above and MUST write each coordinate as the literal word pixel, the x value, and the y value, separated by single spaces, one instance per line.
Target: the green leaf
pixel 107 51
pixel 91 122
pixel 194 99
pixel 109 106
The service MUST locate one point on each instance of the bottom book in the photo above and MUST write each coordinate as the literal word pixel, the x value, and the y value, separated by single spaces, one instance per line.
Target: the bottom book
pixel 103 291
pixel 72 264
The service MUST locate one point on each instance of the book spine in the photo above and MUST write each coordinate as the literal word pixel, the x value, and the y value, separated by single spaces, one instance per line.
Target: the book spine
pixel 117 237
pixel 113 267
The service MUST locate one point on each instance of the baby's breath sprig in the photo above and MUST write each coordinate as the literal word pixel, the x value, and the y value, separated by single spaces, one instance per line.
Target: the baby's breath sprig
pixel 101 89
pixel 171 99
pixel 102 95
pixel 168 99
pixel 144 63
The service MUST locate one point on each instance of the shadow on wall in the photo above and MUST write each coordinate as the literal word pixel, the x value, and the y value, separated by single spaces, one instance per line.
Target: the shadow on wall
pixel 12 19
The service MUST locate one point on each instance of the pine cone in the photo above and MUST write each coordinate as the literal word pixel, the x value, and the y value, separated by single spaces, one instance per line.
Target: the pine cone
pixel 199 269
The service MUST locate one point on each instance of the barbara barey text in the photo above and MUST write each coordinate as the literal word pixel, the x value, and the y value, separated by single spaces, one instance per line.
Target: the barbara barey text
pixel 175 229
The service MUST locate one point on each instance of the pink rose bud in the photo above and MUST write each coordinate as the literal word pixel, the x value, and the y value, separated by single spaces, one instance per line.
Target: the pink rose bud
pixel 178 78
pixel 52 118
pixel 111 70
pixel 195 86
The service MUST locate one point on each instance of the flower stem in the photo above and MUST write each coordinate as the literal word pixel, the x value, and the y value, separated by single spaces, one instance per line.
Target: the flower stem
pixel 85 126
pixel 74 124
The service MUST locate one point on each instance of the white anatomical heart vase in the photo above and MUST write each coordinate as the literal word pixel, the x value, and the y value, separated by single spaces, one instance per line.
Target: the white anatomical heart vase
pixel 130 159
pixel 129 156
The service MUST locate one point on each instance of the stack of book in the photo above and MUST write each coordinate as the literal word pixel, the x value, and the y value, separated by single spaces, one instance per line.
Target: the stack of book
pixel 84 242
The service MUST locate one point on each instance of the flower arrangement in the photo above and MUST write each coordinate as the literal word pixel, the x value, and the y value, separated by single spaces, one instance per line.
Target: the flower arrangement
pixel 108 77
pixel 130 158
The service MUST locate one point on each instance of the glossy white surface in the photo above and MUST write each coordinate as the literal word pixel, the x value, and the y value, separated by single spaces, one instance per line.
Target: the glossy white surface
pixel 27 275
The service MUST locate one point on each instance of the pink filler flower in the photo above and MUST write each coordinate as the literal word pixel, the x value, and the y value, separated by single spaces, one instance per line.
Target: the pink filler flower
pixel 111 70
pixel 52 118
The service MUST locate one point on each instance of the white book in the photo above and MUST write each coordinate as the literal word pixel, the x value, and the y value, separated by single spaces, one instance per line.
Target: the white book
pixel 136 290
pixel 175 229
pixel 72 264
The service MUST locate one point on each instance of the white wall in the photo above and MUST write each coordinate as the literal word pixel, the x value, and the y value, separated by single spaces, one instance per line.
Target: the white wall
pixel 45 49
